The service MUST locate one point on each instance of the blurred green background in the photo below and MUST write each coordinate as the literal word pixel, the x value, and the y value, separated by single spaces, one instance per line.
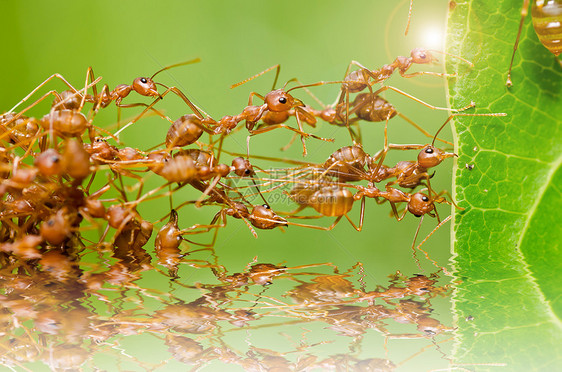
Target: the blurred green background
pixel 312 40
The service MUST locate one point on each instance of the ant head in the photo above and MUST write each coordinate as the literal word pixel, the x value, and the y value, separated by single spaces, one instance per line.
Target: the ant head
pixel 145 87
pixel 49 162
pixel 420 204
pixel 422 56
pixel 263 217
pixel 56 228
pixel 431 156
pixel 279 101
pixel 242 167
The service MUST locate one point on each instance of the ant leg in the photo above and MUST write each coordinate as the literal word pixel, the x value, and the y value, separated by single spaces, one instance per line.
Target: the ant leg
pixel 386 148
pixel 440 199
pixel 58 76
pixel 361 217
pixel 196 110
pixel 302 137
pixel 426 238
pixel 395 212
pixel 89 76
pixel 387 87
pixel 524 12
pixel 207 191
pixel 251 98
pixel 272 127
pixel 129 105
pixel 149 107
pixel 414 244
pixel 392 146
pixel 317 227
pixel 347 118
pixel 292 214
pixel 291 141
pixel 43 97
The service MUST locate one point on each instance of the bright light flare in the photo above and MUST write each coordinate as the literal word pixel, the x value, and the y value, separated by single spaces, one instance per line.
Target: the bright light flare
pixel 433 39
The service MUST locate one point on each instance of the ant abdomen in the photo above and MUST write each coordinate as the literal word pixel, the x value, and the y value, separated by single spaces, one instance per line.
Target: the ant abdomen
pixel 76 160
pixel 179 169
pixel 68 100
pixel 347 163
pixel 355 82
pixel 373 109
pixel 332 201
pixel 67 122
pixel 184 131
pixel 547 21
pixel 353 156
pixel 301 192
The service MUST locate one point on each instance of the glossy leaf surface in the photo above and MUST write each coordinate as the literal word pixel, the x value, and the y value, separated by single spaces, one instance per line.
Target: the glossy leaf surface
pixel 507 249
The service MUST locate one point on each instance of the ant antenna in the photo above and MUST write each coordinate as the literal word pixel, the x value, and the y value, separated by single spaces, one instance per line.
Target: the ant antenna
pixel 196 60
pixel 452 55
pixel 315 84
pixel 409 18
pixel 453 115
pixel 278 67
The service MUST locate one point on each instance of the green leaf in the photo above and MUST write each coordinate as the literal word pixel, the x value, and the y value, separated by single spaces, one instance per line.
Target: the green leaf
pixel 507 240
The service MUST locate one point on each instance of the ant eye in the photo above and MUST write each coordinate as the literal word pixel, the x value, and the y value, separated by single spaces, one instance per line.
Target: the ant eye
pixel 422 56
pixel 429 150
pixel 247 171
pixel 283 100
pixel 425 198
pixel 143 80
pixel 266 206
